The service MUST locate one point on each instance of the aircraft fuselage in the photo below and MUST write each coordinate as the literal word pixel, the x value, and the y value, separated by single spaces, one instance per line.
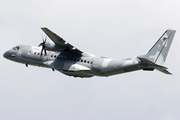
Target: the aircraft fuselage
pixel 77 66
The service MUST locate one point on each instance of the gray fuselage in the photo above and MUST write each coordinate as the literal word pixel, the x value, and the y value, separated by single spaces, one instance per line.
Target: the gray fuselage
pixel 85 65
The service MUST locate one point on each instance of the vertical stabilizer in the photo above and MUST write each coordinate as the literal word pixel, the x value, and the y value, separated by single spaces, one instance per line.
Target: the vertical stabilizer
pixel 159 51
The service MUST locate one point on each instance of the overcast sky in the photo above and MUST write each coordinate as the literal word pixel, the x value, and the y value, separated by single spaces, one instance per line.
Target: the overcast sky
pixel 116 29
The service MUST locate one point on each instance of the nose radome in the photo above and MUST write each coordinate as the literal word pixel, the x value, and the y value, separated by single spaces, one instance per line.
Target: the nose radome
pixel 6 54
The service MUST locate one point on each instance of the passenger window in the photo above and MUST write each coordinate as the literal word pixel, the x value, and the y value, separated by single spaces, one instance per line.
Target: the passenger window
pixel 35 53
pixel 85 61
pixel 55 56
pixel 51 55
pixel 91 62
pixel 88 62
pixel 81 60
pixel 38 54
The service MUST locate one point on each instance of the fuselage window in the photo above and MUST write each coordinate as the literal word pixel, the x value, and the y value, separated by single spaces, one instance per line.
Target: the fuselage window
pixel 51 55
pixel 55 56
pixel 74 59
pixel 35 53
pixel 81 60
pixel 91 62
pixel 85 61
pixel 38 54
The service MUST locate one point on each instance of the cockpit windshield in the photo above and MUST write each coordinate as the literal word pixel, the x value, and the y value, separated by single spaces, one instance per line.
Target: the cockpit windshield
pixel 16 48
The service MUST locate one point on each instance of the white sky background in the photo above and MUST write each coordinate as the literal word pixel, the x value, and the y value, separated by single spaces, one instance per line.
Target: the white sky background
pixel 117 29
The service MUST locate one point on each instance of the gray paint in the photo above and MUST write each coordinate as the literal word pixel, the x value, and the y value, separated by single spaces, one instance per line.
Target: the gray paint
pixel 69 60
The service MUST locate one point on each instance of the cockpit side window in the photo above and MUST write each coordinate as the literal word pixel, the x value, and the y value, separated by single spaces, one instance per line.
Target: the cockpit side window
pixel 16 48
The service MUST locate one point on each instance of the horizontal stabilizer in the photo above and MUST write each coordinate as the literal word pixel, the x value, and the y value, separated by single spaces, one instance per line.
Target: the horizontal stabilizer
pixel 149 64
pixel 164 71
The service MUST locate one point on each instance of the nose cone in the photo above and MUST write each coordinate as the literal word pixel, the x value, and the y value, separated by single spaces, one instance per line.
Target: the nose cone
pixel 9 55
pixel 6 54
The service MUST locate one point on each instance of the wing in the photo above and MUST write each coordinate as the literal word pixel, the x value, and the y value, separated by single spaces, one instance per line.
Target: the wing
pixel 60 42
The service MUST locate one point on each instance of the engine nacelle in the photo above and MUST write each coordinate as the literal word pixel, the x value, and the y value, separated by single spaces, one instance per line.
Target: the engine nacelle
pixel 53 47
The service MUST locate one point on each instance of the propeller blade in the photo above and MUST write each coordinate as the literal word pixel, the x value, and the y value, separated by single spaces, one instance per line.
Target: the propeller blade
pixel 41 52
pixel 45 52
pixel 40 44
pixel 44 49
pixel 43 46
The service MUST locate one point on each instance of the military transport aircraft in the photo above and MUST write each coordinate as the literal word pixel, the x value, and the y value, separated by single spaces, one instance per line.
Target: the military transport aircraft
pixel 63 57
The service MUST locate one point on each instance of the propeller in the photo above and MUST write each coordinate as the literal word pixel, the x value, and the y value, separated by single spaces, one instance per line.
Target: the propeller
pixel 43 46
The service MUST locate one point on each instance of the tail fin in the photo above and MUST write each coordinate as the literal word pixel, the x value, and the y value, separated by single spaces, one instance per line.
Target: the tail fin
pixel 159 51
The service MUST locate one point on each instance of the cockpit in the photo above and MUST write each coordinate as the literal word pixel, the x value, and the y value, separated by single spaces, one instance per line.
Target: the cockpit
pixel 16 48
